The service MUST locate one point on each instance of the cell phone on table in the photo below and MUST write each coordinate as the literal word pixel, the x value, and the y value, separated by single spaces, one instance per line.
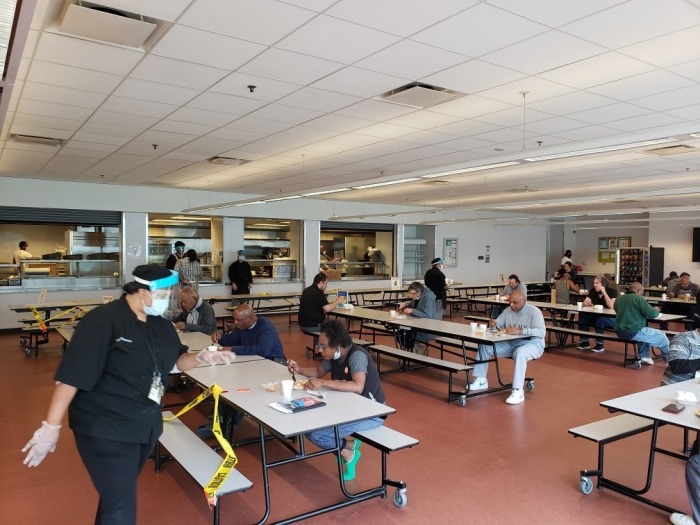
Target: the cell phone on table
pixel 673 408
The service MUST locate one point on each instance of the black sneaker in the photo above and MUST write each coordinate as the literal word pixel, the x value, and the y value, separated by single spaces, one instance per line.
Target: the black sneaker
pixel 205 431
pixel 598 349
pixel 584 346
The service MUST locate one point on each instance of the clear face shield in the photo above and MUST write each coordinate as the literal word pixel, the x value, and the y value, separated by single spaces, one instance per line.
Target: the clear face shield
pixel 163 301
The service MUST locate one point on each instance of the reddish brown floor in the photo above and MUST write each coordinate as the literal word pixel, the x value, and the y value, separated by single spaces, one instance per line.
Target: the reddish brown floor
pixel 486 463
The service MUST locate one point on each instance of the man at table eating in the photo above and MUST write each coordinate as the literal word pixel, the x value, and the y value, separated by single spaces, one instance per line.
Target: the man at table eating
pixel 603 295
pixel 352 370
pixel 519 318
pixel 197 315
pixel 421 304
pixel 633 310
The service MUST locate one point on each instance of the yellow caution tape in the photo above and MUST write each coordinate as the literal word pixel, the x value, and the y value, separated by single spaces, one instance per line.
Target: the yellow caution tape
pixel 40 323
pixel 39 319
pixel 230 461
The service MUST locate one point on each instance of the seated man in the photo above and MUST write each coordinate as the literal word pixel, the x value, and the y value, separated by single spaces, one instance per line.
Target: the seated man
pixel 352 370
pixel 519 318
pixel 513 285
pixel 684 287
pixel 602 295
pixel 564 287
pixel 633 310
pixel 671 277
pixel 197 315
pixel 314 305
pixel 422 304
pixel 253 335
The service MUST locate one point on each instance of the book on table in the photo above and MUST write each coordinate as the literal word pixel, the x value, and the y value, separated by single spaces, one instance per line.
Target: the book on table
pixel 343 296
pixel 297 405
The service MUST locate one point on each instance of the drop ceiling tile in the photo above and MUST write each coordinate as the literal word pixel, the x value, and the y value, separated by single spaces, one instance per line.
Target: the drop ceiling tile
pixel 141 108
pixel 208 146
pixel 571 103
pixel 465 128
pixel 145 148
pixel 202 47
pixel 201 116
pixel 61 95
pixel 182 128
pixel 177 73
pixel 597 70
pixel 503 135
pixel 339 123
pixel 553 12
pixel 72 77
pixel 328 38
pixel 687 112
pixel 36 107
pixel 88 133
pixel 318 99
pixel 360 82
pixel 473 32
pixel 153 136
pixel 122 163
pixel 238 135
pixel 155 92
pixel 512 117
pixel 259 125
pixel 553 125
pixel 536 89
pixel 473 76
pixel 411 60
pixel 375 110
pixel 469 107
pixel 386 131
pixel 266 89
pixel 286 114
pixel 643 19
pixel 670 99
pixel 225 103
pixel 609 113
pixel 466 143
pixel 587 133
pixel 560 49
pixel 689 70
pixel 643 85
pixel 262 21
pixel 286 66
pixel 124 120
pixel 684 46
pixel 400 17
pixel 424 119
pixel 70 151
pixel 96 147
pixel 25 119
pixel 86 54
pixel 643 122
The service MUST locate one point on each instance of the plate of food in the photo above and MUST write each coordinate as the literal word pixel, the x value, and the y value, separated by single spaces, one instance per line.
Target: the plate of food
pixel 271 386
pixel 300 384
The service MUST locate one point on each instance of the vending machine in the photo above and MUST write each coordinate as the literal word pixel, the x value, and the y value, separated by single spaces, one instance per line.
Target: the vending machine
pixel 644 265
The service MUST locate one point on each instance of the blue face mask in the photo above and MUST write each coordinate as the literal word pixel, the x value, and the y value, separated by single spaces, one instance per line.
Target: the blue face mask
pixel 158 306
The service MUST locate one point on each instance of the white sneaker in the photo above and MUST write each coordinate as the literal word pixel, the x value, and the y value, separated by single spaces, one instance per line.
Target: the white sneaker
pixel 647 361
pixel 516 397
pixel 681 519
pixel 479 383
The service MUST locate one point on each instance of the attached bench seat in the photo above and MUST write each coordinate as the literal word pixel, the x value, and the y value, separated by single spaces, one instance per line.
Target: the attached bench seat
pixel 198 459
pixel 405 357
pixel 445 344
pixel 607 431
pixel 388 440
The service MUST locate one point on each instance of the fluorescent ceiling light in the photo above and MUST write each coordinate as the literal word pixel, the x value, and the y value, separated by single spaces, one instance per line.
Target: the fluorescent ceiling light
pixel 600 150
pixel 249 203
pixel 189 217
pixel 696 135
pixel 325 192
pixel 172 220
pixel 283 198
pixel 387 183
pixel 387 214
pixel 468 170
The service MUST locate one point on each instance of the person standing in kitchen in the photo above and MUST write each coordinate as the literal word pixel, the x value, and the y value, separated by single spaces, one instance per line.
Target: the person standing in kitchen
pixel 174 257
pixel 240 275
pixel 22 253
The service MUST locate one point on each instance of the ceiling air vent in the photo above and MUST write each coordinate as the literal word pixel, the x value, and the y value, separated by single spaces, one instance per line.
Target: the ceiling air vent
pixel 419 95
pixel 97 22
pixel 227 161
pixel 672 150
pixel 34 139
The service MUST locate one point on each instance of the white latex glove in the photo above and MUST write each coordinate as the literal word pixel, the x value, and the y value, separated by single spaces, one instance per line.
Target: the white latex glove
pixel 43 441
pixel 222 357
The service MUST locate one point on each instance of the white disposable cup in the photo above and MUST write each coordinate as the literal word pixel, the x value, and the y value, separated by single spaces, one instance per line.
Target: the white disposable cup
pixel 579 305
pixel 472 326
pixel 482 327
pixel 212 348
pixel 393 313
pixel 664 296
pixel 598 307
pixel 287 385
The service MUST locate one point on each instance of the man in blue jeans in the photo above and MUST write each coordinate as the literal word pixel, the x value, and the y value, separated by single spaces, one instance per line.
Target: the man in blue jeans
pixel 633 310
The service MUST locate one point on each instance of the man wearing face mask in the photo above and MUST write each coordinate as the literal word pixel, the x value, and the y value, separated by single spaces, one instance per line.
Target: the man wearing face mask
pixel 352 370
pixel 174 257
pixel 240 275
pixel 111 383
pixel 436 281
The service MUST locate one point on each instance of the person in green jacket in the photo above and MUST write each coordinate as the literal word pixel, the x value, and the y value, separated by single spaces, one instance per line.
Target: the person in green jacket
pixel 633 310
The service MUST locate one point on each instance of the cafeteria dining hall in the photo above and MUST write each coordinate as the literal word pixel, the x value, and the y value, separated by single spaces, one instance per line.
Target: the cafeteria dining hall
pixel 426 173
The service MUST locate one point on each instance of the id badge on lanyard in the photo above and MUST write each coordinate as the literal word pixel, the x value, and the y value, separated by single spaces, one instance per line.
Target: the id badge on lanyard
pixel 157 390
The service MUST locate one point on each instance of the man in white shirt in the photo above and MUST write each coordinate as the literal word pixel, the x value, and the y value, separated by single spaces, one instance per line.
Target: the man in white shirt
pixel 22 253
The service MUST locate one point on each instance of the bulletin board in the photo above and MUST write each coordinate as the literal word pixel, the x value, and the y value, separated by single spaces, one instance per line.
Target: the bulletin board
pixel 607 246
pixel 449 252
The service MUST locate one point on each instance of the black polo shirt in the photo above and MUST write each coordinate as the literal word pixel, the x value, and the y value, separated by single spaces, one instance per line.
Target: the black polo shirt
pixel 111 360
pixel 435 280
pixel 311 304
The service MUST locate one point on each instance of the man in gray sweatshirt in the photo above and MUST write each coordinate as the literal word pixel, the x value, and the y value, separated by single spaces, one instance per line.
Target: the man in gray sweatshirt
pixel 519 318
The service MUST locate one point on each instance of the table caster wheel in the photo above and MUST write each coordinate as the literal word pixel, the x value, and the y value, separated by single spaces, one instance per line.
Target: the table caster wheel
pixel 586 485
pixel 27 351
pixel 400 498
pixel 638 364
pixel 530 385
pixel 23 341
pixel 462 401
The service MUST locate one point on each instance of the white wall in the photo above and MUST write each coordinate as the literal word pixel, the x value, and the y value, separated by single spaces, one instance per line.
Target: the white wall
pixel 677 239
pixel 518 250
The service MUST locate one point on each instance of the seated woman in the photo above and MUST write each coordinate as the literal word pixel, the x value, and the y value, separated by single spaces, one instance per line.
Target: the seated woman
pixel 352 370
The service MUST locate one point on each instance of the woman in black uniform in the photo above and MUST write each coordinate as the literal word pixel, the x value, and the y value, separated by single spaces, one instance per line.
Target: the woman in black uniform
pixel 111 383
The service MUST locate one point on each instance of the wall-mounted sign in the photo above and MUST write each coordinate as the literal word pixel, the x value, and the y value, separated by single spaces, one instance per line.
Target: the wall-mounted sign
pixel 449 252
